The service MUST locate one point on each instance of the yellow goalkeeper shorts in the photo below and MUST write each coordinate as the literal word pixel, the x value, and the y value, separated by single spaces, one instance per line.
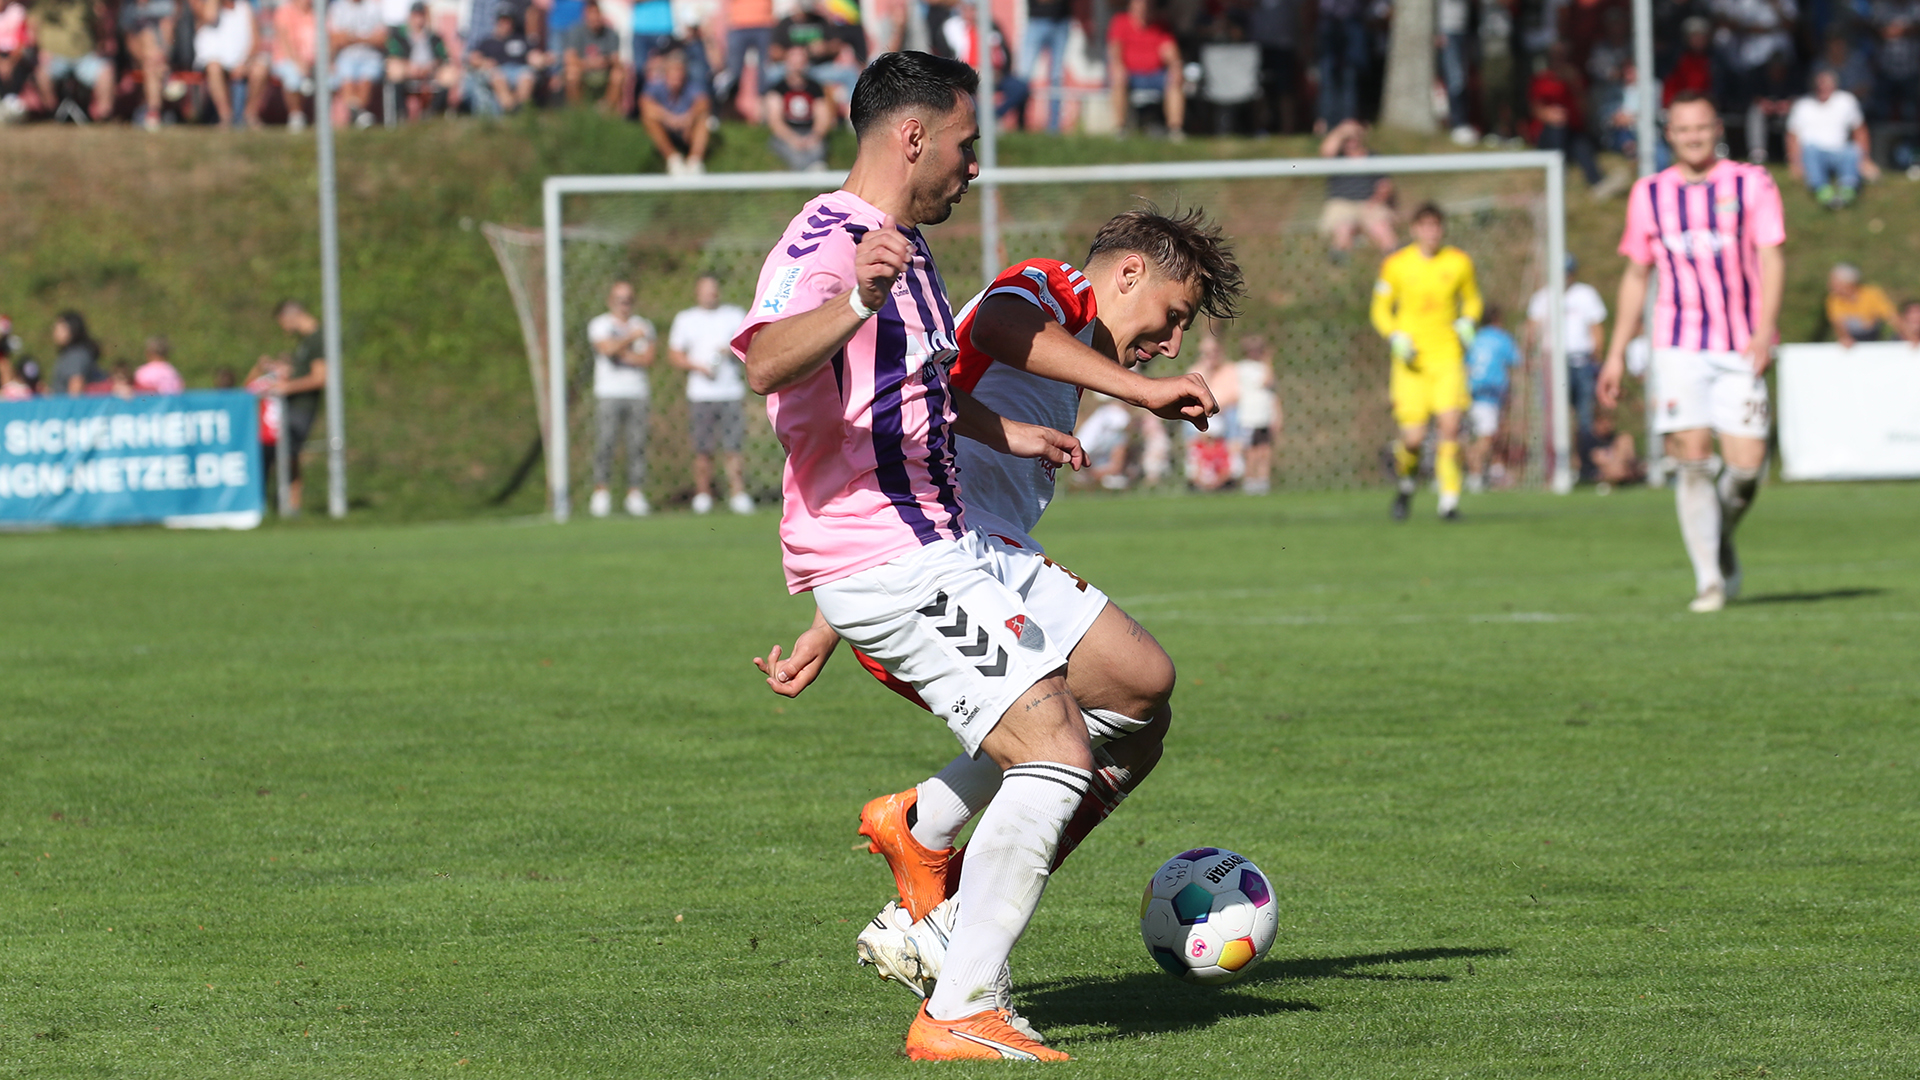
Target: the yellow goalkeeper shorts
pixel 1439 385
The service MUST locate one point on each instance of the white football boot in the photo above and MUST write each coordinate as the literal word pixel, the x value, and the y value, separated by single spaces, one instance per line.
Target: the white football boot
pixel 914 953
pixel 1712 598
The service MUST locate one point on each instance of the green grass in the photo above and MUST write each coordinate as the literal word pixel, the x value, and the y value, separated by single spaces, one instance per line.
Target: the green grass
pixel 504 800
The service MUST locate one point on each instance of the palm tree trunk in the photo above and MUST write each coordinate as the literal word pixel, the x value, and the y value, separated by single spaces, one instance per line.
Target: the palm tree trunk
pixel 1407 103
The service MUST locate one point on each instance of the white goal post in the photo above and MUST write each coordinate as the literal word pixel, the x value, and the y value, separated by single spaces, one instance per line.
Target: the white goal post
pixel 555 189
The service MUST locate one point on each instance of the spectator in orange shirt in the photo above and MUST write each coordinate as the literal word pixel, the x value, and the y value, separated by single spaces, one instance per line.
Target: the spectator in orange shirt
pixel 1142 55
pixel 1858 312
pixel 749 28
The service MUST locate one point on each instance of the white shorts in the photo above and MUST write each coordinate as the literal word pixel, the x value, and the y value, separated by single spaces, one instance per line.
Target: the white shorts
pixel 1063 599
pixel 939 619
pixel 1483 418
pixel 1699 389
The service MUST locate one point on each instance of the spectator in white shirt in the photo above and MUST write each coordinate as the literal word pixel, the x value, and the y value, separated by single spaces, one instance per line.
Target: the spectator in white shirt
pixel 623 348
pixel 357 32
pixel 1827 142
pixel 223 49
pixel 1583 326
pixel 700 344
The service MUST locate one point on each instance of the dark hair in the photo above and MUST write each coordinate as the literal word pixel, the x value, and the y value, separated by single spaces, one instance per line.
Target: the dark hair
pixel 224 378
pixel 1693 97
pixel 1491 314
pixel 76 327
pixel 159 345
pixel 908 80
pixel 1185 247
pixel 1430 209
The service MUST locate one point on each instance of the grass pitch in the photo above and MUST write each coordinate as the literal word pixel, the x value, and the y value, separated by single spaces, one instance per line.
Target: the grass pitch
pixel 509 801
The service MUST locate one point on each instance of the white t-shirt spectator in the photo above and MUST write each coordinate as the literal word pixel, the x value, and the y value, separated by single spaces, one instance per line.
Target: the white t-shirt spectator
pixel 611 380
pixel 1105 429
pixel 1584 310
pixel 706 336
pixel 394 12
pixel 1255 410
pixel 360 18
pixel 228 42
pixel 1825 125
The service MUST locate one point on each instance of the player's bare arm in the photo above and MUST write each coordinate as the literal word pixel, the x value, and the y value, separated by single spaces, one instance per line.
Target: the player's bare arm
pixel 1017 334
pixel 811 651
pixel 790 350
pixel 996 432
pixel 1773 280
pixel 1631 302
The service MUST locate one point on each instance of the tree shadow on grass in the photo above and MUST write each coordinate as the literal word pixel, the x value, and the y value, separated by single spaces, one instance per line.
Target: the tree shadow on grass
pixel 1812 597
pixel 1124 1006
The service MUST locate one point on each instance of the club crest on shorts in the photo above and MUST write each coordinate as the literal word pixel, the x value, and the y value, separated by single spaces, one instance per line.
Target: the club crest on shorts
pixel 1027 632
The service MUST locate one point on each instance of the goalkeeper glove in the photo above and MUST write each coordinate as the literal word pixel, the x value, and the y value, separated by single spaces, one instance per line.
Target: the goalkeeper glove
pixel 1400 345
pixel 1465 328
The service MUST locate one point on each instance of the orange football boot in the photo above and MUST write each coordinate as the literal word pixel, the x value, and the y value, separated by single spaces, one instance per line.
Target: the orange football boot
pixel 919 872
pixel 985 1034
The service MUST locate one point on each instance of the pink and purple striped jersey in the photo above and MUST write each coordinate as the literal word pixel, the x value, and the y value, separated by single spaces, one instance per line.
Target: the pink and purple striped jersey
pixel 1705 238
pixel 869 436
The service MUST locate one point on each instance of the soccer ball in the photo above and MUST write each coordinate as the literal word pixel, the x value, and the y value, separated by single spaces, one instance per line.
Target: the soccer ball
pixel 1208 916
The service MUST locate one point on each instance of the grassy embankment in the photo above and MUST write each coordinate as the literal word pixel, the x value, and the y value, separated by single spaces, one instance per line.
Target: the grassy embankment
pixel 196 234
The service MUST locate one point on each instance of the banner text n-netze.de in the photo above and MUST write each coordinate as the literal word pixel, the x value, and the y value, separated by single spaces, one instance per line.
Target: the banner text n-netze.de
pixel 104 460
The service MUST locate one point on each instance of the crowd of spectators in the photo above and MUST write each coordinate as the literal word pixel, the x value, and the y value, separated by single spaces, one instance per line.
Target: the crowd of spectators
pixel 1554 73
pixel 289 385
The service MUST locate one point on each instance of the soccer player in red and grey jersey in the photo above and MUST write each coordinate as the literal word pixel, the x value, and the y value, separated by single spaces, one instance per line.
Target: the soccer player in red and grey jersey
pixel 1029 343
pixel 1714 228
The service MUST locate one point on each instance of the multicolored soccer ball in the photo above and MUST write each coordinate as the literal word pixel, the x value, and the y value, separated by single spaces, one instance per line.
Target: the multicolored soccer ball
pixel 1208 916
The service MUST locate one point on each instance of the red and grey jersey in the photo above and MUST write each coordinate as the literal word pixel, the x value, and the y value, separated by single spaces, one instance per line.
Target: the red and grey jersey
pixel 1010 489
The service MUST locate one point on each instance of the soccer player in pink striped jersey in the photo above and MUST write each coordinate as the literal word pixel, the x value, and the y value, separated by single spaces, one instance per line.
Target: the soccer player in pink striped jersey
pixel 1714 228
pixel 850 338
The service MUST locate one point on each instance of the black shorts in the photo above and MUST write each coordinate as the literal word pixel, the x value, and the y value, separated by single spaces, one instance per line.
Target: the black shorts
pixel 1260 436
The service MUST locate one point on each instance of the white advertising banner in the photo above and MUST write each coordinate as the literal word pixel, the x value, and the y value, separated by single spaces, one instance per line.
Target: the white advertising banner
pixel 1849 414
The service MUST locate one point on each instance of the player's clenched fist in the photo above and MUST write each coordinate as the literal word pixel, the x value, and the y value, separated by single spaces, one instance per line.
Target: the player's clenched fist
pixel 882 256
pixel 1180 397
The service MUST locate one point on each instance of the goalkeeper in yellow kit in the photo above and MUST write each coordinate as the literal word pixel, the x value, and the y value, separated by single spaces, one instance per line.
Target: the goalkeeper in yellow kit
pixel 1427 305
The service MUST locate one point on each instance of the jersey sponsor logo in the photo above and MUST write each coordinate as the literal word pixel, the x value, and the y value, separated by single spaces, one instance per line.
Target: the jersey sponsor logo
pixel 1044 290
pixel 1726 206
pixel 1027 632
pixel 786 281
pixel 1704 241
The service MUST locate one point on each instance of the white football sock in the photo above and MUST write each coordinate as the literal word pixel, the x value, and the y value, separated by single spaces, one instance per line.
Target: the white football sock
pixel 1736 489
pixel 1105 725
pixel 1699 505
pixel 1006 872
pixel 950 798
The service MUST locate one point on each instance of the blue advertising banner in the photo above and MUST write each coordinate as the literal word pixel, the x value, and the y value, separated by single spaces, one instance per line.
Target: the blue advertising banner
pixel 189 460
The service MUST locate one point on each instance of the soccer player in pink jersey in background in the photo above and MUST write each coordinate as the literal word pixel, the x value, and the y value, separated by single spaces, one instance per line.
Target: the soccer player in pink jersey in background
pixel 850 338
pixel 1714 228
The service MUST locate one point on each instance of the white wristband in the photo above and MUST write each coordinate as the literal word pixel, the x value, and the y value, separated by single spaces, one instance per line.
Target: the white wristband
pixel 862 311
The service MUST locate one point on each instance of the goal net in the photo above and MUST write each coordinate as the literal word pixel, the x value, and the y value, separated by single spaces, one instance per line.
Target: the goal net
pixel 1310 303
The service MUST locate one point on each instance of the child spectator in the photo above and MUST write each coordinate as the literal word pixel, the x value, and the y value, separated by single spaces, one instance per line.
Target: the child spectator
pixel 623 350
pixel 19 382
pixel 69 43
pixel 700 343
pixel 120 383
pixel 158 375
pixel 1856 311
pixel 674 112
pixel 1142 55
pixel 358 34
pixel 418 64
pixel 502 67
pixel 1491 360
pixel 264 382
pixel 1259 414
pixel 76 365
pixel 223 50
pixel 290 62
pixel 1909 323
pixel 1827 143
pixel 590 61
pixel 799 115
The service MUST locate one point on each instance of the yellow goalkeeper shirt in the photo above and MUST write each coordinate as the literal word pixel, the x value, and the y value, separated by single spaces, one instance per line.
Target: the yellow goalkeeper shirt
pixel 1421 297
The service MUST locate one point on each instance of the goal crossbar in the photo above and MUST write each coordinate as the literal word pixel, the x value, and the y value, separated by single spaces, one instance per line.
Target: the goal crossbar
pixel 1549 163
